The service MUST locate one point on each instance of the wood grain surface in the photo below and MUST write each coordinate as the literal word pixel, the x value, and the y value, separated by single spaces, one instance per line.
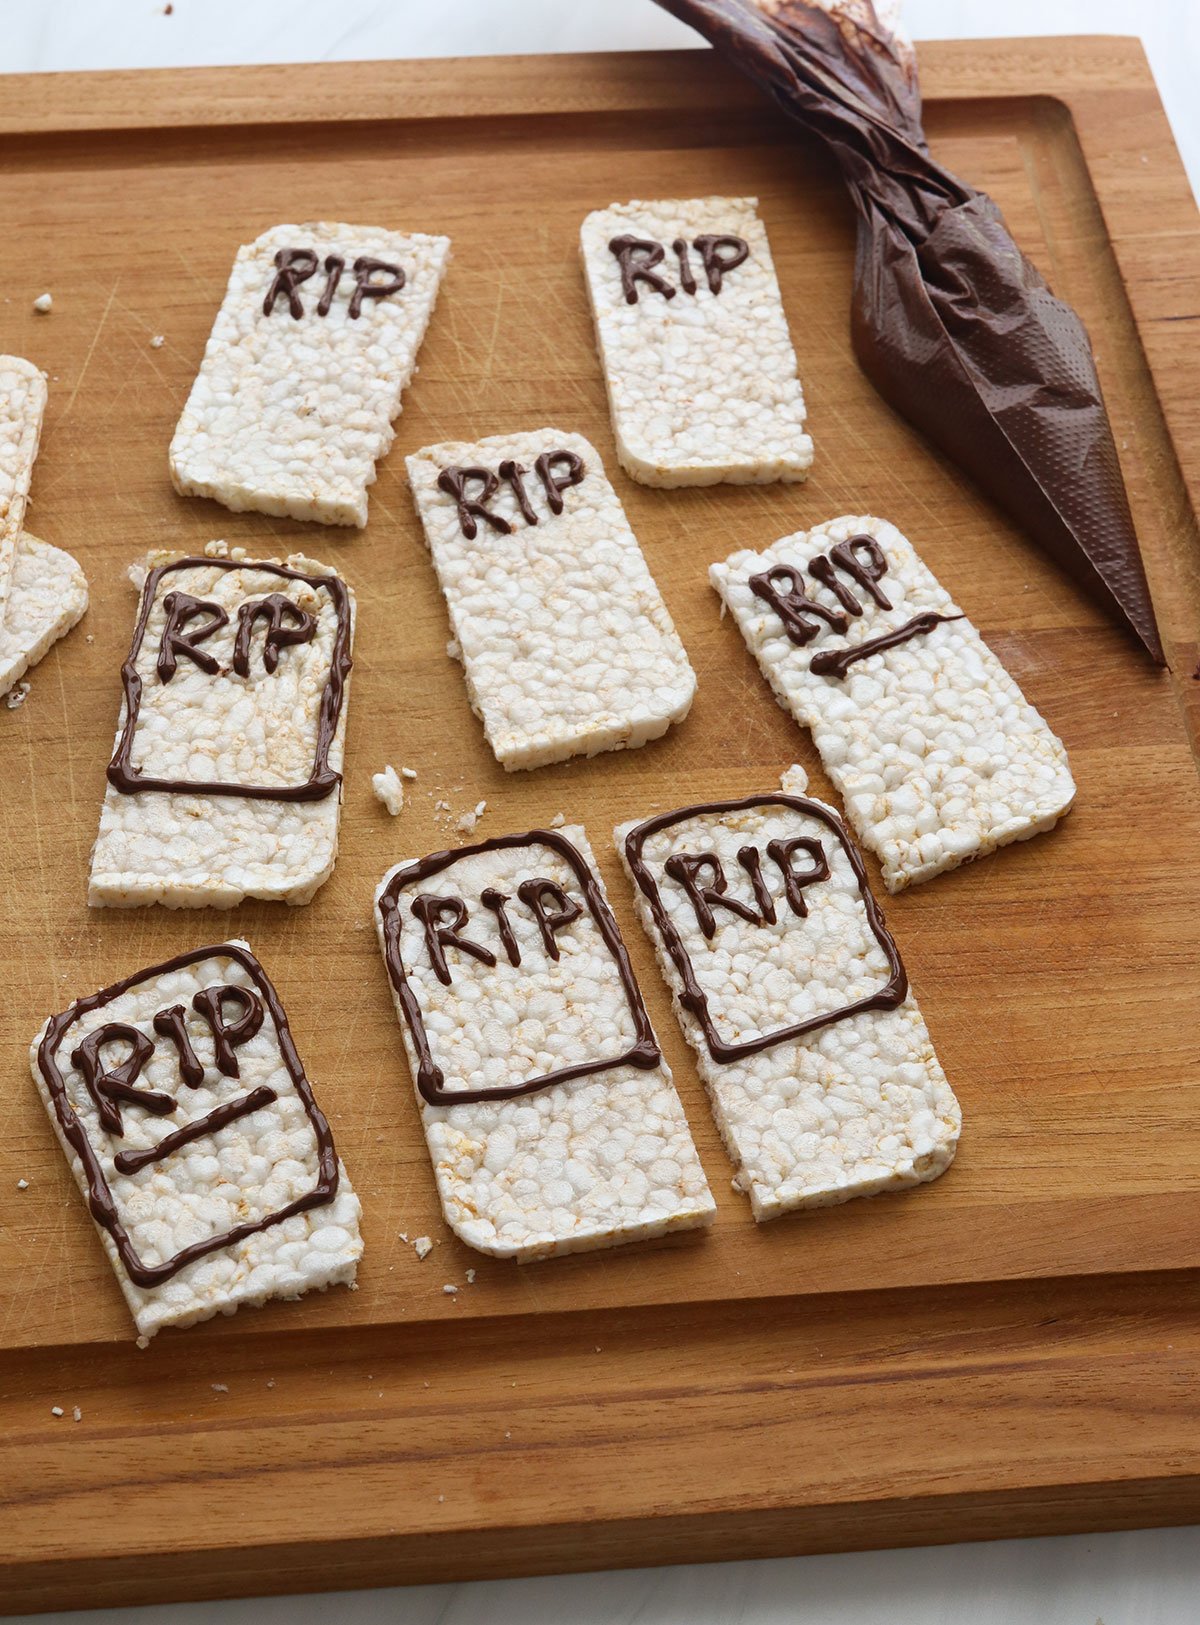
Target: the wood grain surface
pixel 1011 1349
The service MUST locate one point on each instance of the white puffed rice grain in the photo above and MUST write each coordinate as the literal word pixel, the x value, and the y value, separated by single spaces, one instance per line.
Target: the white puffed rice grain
pixel 389 790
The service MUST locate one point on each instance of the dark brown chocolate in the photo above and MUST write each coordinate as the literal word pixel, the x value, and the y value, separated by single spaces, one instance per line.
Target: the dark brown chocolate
pixel 837 662
pixel 643 1053
pixel 323 779
pixel 100 1198
pixel 692 996
pixel 953 325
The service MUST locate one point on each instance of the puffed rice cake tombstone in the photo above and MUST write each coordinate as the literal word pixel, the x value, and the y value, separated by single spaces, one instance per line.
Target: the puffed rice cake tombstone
pixel 791 990
pixel 550 1115
pixel 701 374
pixel 48 596
pixel 190 1126
pixel 566 645
pixel 226 778
pixel 936 753
pixel 22 408
pixel 313 346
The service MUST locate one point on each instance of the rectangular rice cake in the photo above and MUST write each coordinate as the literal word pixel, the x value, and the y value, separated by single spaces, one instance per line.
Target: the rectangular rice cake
pixel 694 343
pixel 22 407
pixel 48 596
pixel 226 778
pixel 190 1126
pixel 566 644
pixel 936 753
pixel 550 1115
pixel 312 348
pixel 790 989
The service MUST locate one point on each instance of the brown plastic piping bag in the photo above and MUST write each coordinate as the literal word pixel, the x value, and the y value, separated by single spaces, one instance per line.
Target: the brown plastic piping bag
pixel 953 325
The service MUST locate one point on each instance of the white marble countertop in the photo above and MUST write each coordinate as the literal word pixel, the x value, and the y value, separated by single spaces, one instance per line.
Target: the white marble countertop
pixel 1142 1578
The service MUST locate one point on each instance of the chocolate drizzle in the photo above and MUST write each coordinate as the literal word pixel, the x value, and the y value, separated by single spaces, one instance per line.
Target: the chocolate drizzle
pixel 837 662
pixel 323 779
pixel 100 1198
pixel 643 1053
pixel 692 996
pixel 954 326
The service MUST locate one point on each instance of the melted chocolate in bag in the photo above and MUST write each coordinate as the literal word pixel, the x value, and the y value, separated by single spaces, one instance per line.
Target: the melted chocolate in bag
pixel 953 325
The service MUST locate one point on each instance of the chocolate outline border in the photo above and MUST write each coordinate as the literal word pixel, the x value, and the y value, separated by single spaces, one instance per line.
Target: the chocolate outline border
pixel 691 996
pixel 323 779
pixel 645 1052
pixel 101 1202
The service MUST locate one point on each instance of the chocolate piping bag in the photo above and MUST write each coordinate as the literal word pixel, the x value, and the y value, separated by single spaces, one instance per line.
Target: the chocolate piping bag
pixel 951 322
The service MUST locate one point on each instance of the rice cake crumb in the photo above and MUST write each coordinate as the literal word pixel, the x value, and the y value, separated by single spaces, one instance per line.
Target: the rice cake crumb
pixel 389 790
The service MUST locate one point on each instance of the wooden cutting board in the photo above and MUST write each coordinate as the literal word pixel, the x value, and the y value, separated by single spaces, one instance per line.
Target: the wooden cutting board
pixel 1012 1350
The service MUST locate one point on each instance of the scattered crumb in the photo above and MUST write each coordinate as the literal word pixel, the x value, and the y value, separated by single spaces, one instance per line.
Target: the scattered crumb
pixel 220 1387
pixel 404 1235
pixel 17 695
pixel 77 1415
pixel 441 806
pixel 441 1497
pixel 422 1246
pixel 89 638
pixel 388 789
pixel 597 1348
pixel 270 1382
pixel 22 1184
pixel 470 1277
pixel 157 342
pixel 558 820
pixel 508 1433
pixel 56 1410
pixel 408 772
pixel 450 1289
pixel 467 822
pixel 43 303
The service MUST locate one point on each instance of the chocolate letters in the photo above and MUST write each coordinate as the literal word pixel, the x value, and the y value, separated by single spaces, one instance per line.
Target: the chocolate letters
pixel 373 279
pixel 638 258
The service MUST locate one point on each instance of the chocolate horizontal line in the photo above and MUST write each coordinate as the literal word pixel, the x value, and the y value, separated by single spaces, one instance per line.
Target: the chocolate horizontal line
pixel 129 1162
pixel 836 662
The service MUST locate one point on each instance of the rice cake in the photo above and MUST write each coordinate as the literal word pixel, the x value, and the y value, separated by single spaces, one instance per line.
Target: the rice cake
pixel 790 989
pixel 694 343
pixel 22 408
pixel 551 1118
pixel 566 644
pixel 190 1126
pixel 226 778
pixel 47 598
pixel 936 753
pixel 312 348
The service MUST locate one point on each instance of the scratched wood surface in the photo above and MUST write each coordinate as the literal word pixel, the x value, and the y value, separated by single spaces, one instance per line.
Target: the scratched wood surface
pixel 917 1367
